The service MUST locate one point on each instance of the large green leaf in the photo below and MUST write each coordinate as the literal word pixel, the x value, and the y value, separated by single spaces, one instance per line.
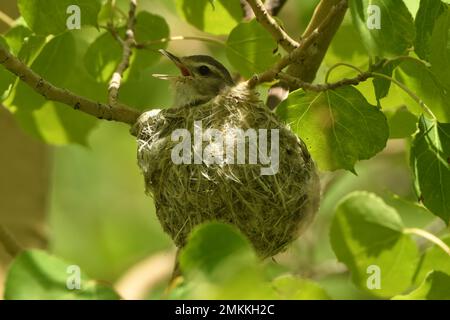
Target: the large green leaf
pixel 423 82
pixel 53 123
pixel 218 262
pixel 50 16
pixel 426 17
pixel 210 245
pixel 339 126
pixel 366 232
pixel 430 161
pixel 36 275
pixel 149 28
pixel 102 57
pixel 434 259
pixel 217 17
pixel 440 48
pixel 250 48
pixel 396 32
pixel 435 287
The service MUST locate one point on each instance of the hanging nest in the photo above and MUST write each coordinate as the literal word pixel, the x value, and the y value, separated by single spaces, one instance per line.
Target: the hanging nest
pixel 271 210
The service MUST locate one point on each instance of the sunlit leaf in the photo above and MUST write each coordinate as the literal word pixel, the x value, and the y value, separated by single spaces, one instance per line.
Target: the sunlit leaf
pixel 435 287
pixel 250 48
pixel 219 18
pixel 402 123
pixel 434 259
pixel 430 162
pixel 367 235
pixel 394 33
pixel 339 126
pixel 36 275
pixel 50 16
pixel 293 288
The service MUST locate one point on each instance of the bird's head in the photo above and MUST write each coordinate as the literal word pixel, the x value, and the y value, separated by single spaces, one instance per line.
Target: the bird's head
pixel 202 78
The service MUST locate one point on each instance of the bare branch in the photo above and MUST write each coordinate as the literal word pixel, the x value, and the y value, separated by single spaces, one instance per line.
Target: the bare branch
pixel 120 113
pixel 271 25
pixel 6 19
pixel 292 81
pixel 127 44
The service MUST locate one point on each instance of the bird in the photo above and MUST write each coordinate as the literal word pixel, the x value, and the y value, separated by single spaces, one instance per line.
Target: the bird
pixel 271 211
pixel 202 78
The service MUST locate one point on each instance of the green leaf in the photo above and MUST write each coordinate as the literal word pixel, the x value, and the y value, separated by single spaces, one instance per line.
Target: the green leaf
pixel 102 57
pixel 218 19
pixel 293 288
pixel 381 85
pixel 210 245
pixel 339 126
pixel 365 232
pixel 50 16
pixel 440 49
pixel 434 259
pixel 396 32
pixel 435 287
pixel 149 27
pixel 430 162
pixel 426 17
pixel 36 275
pixel 105 53
pixel 421 80
pixel 49 121
pixel 402 123
pixel 250 48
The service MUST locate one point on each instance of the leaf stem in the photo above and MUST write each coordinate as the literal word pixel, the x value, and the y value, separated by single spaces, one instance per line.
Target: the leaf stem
pixel 6 19
pixel 339 65
pixel 408 91
pixel 429 236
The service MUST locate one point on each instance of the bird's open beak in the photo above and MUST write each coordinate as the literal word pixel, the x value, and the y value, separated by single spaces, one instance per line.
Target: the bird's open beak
pixel 177 61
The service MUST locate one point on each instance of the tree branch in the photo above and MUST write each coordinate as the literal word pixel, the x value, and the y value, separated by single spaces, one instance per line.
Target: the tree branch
pixel 120 113
pixel 296 82
pixel 127 45
pixel 271 25
pixel 326 20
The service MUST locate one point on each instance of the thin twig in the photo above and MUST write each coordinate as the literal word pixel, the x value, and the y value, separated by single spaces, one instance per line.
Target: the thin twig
pixel 271 25
pixel 429 236
pixel 127 48
pixel 120 112
pixel 6 19
pixel 326 86
pixel 9 242
pixel 416 98
pixel 327 77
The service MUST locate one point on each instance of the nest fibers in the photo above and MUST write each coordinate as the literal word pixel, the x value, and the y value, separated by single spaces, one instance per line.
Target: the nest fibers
pixel 271 210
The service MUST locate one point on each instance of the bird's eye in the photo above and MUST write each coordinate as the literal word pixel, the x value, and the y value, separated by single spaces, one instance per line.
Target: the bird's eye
pixel 204 70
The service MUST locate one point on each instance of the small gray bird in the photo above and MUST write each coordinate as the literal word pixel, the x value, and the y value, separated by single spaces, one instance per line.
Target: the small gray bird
pixel 270 210
pixel 203 78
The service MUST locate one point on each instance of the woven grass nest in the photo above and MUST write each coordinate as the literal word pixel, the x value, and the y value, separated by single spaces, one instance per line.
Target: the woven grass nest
pixel 271 210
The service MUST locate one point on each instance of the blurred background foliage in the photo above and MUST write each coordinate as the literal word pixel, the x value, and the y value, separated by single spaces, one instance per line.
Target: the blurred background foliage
pixel 99 218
